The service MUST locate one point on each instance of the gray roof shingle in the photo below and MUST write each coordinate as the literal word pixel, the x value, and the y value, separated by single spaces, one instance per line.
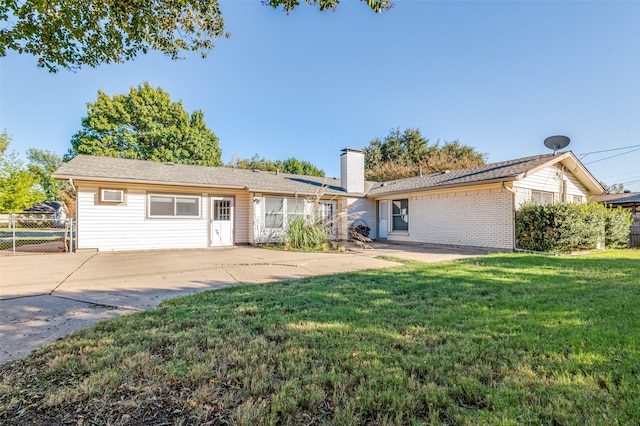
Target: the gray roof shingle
pixel 86 167
pixel 624 198
pixel 505 171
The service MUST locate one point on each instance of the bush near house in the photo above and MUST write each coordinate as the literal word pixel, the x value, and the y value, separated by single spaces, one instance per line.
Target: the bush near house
pixel 563 227
pixel 306 234
pixel 618 223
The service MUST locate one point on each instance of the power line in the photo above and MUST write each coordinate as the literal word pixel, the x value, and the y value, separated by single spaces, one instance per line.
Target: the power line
pixel 607 150
pixel 612 156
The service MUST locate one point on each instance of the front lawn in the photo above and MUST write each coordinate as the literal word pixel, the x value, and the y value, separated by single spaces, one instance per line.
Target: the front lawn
pixel 504 339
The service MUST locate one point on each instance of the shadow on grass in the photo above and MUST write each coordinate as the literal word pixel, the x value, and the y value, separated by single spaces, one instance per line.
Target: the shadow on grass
pixel 499 339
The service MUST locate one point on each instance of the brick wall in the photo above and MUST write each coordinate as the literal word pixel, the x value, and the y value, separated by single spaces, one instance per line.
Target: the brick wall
pixel 480 218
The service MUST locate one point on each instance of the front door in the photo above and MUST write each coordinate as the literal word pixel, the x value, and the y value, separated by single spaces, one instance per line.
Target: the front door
pixel 383 214
pixel 221 222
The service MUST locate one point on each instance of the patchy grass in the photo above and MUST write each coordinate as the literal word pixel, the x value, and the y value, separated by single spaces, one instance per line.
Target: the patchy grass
pixel 503 339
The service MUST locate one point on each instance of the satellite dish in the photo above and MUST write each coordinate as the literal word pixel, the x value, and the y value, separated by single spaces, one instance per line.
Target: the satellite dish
pixel 556 142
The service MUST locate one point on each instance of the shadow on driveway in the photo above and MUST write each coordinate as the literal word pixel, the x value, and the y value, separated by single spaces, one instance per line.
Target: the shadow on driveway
pixel 45 297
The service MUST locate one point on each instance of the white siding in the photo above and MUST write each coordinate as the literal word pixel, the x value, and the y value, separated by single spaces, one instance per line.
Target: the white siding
pixel 478 218
pixel 244 218
pixel 108 227
pixel 549 179
pixel 575 188
pixel 117 227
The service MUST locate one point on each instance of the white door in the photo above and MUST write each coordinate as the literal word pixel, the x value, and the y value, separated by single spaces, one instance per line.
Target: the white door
pixel 329 217
pixel 222 222
pixel 383 214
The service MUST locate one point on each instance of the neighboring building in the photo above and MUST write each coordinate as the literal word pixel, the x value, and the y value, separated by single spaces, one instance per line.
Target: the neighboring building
pixel 136 205
pixel 626 200
pixel 49 209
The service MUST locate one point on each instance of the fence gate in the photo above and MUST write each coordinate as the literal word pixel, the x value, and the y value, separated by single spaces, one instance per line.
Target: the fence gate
pixel 22 234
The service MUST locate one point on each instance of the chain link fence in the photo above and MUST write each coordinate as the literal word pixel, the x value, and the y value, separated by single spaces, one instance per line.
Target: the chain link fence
pixel 31 234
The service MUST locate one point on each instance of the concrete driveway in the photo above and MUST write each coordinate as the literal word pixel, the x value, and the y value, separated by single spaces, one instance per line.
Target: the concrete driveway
pixel 45 297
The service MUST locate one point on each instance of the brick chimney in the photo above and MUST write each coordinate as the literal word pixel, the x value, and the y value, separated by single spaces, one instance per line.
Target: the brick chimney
pixel 352 170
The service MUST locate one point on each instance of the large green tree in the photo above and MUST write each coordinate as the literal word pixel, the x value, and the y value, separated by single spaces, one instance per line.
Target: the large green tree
pixel 145 124
pixel 408 153
pixel 291 165
pixel 72 33
pixel 42 164
pixel 18 188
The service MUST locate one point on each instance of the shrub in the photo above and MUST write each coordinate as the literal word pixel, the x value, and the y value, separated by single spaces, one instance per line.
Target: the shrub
pixel 617 227
pixel 303 234
pixel 561 227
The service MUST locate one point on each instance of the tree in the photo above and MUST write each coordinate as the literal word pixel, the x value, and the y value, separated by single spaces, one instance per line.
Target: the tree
pixel 18 187
pixel 5 139
pixel 42 164
pixel 70 34
pixel 614 188
pixel 406 154
pixel 146 125
pixel 292 166
pixel 297 167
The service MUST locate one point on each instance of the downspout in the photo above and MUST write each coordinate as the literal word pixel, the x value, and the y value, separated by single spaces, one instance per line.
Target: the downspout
pixel 513 210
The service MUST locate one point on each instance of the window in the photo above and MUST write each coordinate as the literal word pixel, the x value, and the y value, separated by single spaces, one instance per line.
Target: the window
pixel 112 195
pixel 222 210
pixel 280 212
pixel 328 217
pixel 295 209
pixel 274 212
pixel 174 206
pixel 400 215
pixel 541 197
pixel 577 199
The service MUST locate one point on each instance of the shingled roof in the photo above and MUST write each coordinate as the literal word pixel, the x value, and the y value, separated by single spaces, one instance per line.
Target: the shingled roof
pixel 624 198
pixel 504 171
pixel 109 169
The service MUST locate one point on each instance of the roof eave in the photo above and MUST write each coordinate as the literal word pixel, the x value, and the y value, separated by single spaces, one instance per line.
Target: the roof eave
pixel 450 186
pixel 576 167
pixel 145 182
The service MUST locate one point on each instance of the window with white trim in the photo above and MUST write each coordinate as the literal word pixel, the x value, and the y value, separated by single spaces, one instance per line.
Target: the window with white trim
pixel 400 215
pixel 167 206
pixel 541 197
pixel 279 212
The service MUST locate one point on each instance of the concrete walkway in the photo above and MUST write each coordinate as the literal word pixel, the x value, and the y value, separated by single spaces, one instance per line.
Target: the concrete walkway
pixel 45 297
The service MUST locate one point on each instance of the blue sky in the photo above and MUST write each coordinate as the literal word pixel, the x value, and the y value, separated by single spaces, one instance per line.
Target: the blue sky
pixel 498 76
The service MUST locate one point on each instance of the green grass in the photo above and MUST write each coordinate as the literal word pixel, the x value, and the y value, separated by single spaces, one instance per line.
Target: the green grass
pixel 504 339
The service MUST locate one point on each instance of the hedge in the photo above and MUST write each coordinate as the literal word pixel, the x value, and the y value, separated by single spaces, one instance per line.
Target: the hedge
pixel 563 227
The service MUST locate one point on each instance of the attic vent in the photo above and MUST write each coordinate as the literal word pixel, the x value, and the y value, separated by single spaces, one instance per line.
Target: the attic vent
pixel 112 196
